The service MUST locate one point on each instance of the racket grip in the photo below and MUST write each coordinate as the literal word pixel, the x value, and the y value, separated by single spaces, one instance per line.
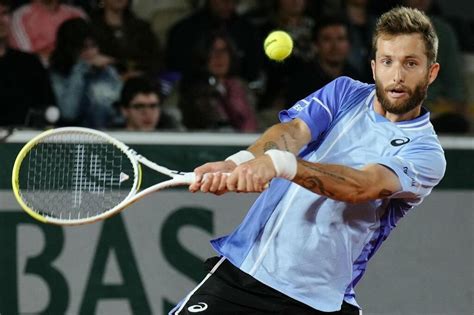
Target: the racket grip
pixel 227 174
pixel 204 178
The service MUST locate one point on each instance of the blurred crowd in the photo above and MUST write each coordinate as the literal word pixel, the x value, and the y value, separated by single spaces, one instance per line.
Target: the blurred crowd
pixel 97 64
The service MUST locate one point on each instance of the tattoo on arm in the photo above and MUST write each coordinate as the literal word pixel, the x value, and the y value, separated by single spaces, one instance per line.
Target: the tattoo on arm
pixel 314 183
pixel 323 172
pixel 384 193
pixel 269 145
pixel 283 138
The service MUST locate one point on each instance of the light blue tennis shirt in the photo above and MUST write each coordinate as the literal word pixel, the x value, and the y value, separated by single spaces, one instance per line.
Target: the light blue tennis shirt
pixel 315 249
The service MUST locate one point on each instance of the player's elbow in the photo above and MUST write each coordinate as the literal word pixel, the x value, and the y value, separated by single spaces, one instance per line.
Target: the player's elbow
pixel 357 197
pixel 361 191
pixel 374 182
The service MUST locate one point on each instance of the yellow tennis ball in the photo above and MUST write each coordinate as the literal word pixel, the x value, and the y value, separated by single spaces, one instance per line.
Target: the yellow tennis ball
pixel 278 45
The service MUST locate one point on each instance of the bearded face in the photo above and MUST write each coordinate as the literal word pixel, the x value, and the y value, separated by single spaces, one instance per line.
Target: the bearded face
pixel 402 73
pixel 402 105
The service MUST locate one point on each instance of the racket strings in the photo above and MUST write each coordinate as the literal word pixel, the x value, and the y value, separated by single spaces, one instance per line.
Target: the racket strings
pixel 75 176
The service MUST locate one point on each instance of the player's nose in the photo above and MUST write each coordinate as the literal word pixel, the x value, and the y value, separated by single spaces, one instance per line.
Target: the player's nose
pixel 398 74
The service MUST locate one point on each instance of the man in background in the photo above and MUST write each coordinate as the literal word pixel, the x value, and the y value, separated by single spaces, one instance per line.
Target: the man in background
pixel 215 15
pixel 332 46
pixel 140 106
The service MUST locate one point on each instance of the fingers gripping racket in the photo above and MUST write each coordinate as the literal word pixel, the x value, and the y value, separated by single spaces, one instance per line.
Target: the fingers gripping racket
pixel 73 175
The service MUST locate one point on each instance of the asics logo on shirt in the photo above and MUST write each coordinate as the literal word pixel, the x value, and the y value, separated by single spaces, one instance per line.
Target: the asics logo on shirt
pixel 399 142
pixel 197 308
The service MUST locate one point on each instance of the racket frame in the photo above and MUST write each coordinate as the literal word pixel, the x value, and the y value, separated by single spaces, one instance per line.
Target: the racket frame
pixel 177 178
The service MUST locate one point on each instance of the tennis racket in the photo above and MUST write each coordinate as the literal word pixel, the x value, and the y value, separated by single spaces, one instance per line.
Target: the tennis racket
pixel 73 175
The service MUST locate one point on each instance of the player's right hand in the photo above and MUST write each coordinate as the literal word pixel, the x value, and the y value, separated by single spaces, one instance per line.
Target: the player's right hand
pixel 212 177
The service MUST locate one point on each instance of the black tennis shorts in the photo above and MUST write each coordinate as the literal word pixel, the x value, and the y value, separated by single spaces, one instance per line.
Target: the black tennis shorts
pixel 231 291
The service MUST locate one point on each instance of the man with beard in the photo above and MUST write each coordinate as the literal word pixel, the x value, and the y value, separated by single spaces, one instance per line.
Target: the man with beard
pixel 346 163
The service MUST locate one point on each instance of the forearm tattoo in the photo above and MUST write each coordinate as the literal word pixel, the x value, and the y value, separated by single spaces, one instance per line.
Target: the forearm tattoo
pixel 269 145
pixel 283 138
pixel 315 184
pixel 323 172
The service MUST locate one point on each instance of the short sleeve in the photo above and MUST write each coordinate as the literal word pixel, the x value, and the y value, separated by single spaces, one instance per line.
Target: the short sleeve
pixel 419 168
pixel 319 109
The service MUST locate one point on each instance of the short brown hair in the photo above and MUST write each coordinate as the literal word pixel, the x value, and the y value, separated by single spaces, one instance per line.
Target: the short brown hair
pixel 402 20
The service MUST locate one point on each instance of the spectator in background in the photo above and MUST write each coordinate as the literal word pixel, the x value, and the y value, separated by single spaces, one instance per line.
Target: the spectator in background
pixel 126 38
pixel 287 15
pixel 140 106
pixel 361 25
pixel 24 84
pixel 34 25
pixel 447 96
pixel 216 15
pixel 83 79
pixel 212 96
pixel 331 40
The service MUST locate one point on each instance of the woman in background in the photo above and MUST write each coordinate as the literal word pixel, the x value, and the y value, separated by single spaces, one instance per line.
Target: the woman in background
pixel 126 38
pixel 212 96
pixel 84 82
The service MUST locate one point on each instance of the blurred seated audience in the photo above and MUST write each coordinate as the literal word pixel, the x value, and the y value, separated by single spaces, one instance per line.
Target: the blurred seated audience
pixel 211 95
pixel 140 106
pixel 84 82
pixel 447 95
pixel 215 15
pixel 25 89
pixel 361 25
pixel 34 25
pixel 126 38
pixel 331 42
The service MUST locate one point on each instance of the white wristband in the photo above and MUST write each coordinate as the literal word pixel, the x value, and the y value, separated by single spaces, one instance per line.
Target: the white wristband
pixel 284 162
pixel 241 157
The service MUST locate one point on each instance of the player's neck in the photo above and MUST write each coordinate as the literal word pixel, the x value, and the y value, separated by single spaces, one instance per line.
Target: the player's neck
pixel 396 117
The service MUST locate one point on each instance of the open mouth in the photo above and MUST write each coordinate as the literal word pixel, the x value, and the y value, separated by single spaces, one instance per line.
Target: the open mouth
pixel 397 92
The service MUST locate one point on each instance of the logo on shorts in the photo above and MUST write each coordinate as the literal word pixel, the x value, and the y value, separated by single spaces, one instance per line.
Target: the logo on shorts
pixel 197 308
pixel 399 142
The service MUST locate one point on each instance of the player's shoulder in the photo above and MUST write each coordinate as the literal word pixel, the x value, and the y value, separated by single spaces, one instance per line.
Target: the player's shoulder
pixel 426 141
pixel 352 83
pixel 350 86
pixel 434 158
pixel 426 148
pixel 351 92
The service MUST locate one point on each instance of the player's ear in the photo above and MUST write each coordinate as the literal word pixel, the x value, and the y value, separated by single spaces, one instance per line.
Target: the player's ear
pixel 433 72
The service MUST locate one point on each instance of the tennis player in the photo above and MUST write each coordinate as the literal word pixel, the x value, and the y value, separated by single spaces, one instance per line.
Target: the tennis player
pixel 344 165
